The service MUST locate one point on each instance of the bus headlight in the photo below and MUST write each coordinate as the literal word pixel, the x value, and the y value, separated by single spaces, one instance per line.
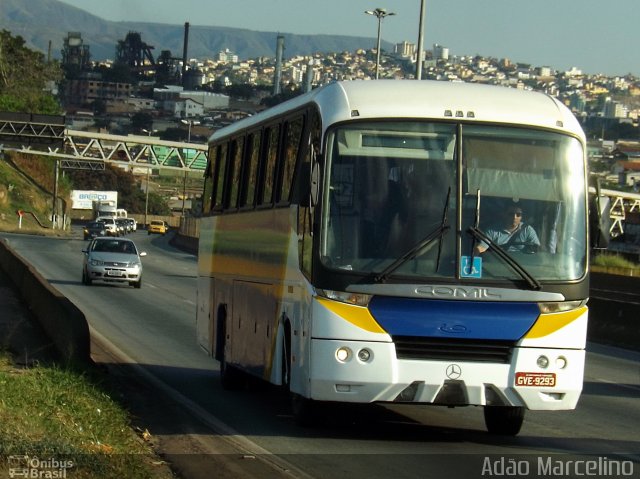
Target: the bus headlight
pixel 561 362
pixel 343 354
pixel 364 355
pixel 560 307
pixel 357 299
pixel 543 362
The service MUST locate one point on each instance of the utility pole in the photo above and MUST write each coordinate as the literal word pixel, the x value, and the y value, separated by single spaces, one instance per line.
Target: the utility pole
pixel 380 13
pixel 420 41
pixel 54 211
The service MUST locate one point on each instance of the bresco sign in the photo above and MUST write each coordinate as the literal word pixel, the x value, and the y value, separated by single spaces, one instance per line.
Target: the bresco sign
pixel 83 199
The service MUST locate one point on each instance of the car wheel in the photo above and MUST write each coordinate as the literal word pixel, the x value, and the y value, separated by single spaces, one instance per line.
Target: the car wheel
pixel 85 278
pixel 137 284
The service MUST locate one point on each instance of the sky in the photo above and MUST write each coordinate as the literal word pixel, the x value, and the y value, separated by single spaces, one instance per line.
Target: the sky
pixel 595 36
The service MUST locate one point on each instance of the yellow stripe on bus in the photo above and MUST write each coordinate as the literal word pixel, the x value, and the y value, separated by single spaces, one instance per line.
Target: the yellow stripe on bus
pixel 356 315
pixel 552 322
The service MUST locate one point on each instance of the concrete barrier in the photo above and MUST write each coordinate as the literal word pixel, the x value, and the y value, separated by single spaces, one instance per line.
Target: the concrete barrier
pixel 614 320
pixel 61 320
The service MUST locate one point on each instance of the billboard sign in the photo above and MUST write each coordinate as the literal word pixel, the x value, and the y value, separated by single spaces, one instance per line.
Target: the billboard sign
pixel 83 199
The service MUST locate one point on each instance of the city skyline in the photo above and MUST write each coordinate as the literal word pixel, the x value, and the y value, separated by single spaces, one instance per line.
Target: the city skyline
pixel 587 34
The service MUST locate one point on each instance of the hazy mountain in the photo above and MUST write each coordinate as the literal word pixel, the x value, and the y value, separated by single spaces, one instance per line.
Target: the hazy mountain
pixel 47 22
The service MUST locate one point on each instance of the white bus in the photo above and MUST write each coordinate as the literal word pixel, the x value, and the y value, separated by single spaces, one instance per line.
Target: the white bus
pixel 348 249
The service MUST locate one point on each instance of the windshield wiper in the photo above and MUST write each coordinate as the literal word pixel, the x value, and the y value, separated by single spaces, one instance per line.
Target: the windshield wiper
pixel 480 235
pixel 438 233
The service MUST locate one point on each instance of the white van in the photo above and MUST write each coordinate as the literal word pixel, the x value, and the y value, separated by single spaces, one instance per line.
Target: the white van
pixel 109 225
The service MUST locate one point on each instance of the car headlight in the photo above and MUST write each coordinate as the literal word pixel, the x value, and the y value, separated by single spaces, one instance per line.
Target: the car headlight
pixel 96 262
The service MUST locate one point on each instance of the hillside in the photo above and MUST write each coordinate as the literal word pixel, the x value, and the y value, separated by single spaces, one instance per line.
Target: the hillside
pixel 18 192
pixel 42 21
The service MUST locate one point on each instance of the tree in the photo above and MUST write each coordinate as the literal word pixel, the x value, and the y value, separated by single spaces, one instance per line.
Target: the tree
pixel 24 75
pixel 141 121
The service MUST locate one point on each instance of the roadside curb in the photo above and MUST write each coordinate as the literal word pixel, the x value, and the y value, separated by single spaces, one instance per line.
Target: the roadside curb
pixel 61 320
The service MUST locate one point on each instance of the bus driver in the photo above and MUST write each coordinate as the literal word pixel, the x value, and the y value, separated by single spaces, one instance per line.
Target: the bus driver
pixel 512 235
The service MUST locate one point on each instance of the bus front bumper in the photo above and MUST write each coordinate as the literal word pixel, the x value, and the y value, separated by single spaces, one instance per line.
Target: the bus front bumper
pixel 340 373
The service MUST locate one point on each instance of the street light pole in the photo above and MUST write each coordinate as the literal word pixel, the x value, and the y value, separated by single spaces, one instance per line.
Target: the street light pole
pixel 380 13
pixel 146 201
pixel 420 41
pixel 184 184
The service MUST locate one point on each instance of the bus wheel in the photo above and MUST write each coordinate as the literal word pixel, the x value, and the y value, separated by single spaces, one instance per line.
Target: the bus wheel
pixel 503 420
pixel 230 377
pixel 306 412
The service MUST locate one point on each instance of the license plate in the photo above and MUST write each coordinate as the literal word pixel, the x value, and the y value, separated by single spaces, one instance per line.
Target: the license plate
pixel 536 379
pixel 114 273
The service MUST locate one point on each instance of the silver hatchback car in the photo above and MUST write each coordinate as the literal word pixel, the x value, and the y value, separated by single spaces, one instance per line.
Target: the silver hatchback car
pixel 112 260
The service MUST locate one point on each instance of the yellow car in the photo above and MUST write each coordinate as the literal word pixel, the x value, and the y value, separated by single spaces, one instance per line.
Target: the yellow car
pixel 157 226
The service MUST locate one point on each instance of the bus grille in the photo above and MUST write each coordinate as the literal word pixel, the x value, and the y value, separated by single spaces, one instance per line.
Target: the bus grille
pixel 445 349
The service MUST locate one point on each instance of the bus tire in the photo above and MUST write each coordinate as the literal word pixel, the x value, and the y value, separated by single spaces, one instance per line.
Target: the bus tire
pixel 503 420
pixel 231 378
pixel 306 412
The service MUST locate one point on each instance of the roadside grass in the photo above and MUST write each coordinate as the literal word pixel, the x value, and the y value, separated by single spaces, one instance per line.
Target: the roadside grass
pixel 52 413
pixel 614 261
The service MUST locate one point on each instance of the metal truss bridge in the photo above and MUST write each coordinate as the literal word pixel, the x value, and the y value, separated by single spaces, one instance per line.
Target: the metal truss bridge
pixel 47 135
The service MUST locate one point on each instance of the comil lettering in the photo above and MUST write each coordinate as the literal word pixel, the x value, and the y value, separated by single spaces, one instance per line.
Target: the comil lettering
pixel 457 292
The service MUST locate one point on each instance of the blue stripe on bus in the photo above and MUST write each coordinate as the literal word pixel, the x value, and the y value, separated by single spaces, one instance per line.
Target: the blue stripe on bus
pixel 453 319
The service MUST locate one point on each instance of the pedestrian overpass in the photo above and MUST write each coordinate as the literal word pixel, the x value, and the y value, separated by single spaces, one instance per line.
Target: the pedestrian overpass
pixel 47 135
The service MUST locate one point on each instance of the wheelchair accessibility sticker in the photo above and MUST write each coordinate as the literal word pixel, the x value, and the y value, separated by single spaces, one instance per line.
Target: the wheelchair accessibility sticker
pixel 470 269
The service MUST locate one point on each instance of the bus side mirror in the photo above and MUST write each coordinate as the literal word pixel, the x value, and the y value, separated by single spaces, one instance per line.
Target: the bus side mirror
pixel 310 185
pixel 305 185
pixel 315 184
pixel 599 221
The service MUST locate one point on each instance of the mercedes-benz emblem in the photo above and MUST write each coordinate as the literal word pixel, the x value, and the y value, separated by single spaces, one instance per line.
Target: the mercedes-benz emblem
pixel 454 371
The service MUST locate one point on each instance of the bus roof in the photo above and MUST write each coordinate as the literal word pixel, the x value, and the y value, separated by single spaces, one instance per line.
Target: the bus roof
pixel 411 99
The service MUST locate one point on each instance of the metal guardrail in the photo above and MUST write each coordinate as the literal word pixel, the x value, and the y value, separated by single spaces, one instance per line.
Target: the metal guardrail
pixel 621 203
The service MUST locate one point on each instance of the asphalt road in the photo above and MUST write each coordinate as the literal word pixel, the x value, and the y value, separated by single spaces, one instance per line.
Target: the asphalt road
pixel 152 332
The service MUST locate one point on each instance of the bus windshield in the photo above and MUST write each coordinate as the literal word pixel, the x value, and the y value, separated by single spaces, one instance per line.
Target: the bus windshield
pixel 420 200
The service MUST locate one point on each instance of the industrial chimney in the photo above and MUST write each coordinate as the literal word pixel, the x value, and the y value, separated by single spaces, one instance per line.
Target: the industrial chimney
pixel 184 52
pixel 278 74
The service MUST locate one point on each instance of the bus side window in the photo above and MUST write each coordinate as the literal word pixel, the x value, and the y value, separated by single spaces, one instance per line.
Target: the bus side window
pixel 269 164
pixel 207 196
pixel 292 139
pixel 219 176
pixel 235 166
pixel 250 175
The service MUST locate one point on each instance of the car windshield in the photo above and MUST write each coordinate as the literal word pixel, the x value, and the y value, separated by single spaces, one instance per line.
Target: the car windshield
pixel 115 246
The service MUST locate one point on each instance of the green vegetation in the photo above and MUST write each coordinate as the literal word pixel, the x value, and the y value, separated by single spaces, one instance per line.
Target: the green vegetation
pixel 24 75
pixel 607 260
pixel 68 415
